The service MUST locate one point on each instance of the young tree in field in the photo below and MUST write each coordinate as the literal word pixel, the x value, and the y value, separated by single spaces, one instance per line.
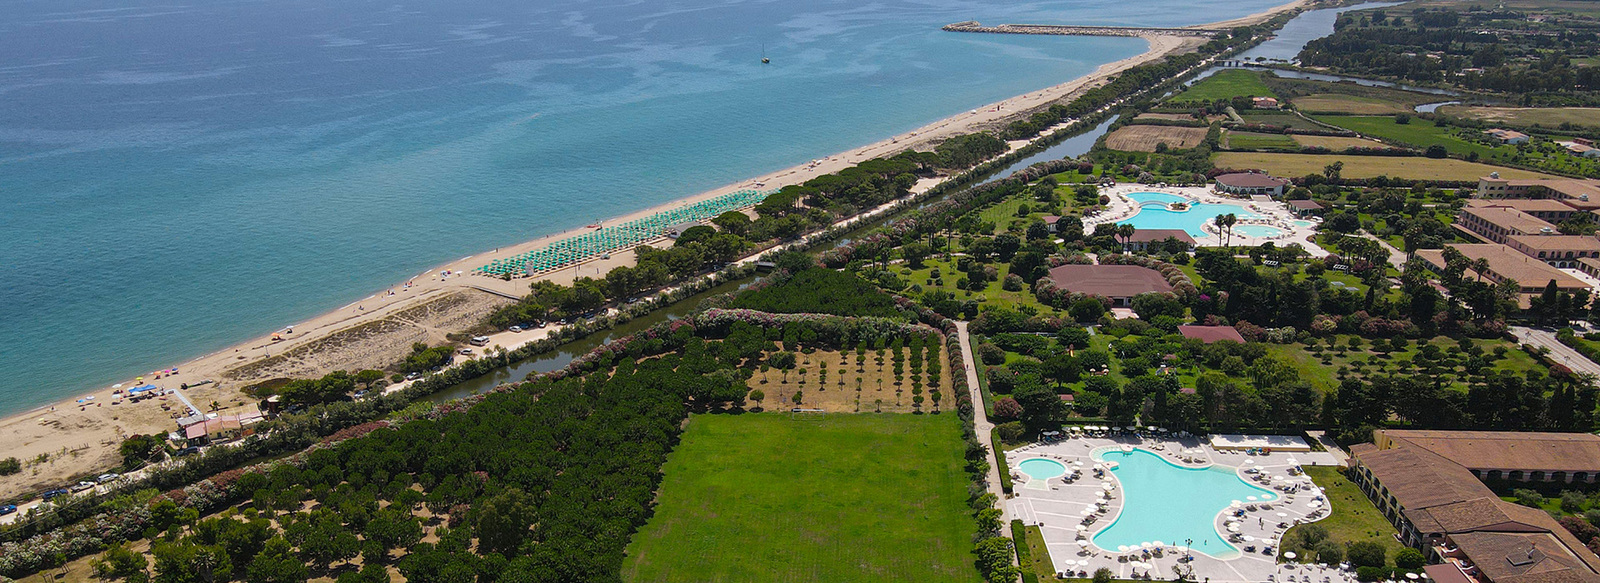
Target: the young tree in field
pixel 757 396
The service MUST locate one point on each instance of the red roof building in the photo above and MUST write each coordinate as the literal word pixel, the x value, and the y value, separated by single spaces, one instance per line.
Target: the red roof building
pixel 1211 334
pixel 1118 282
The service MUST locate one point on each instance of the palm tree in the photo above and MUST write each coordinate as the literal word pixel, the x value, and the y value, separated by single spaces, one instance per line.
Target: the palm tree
pixel 1481 265
pixel 1227 222
pixel 1125 231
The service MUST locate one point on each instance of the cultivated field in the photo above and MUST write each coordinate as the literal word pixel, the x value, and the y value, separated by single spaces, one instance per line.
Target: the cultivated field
pixel 1226 84
pixel 1418 133
pixel 797 497
pixel 1337 143
pixel 1348 104
pixel 1254 141
pixel 867 388
pixel 1166 116
pixel 1278 118
pixel 1414 168
pixel 1525 116
pixel 1139 138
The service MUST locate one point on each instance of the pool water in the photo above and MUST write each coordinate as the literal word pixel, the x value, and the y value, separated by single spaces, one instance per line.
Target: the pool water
pixel 1158 217
pixel 1257 231
pixel 1172 504
pixel 1042 469
pixel 1304 224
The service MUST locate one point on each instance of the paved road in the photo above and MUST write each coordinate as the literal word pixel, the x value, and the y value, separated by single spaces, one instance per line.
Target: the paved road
pixel 980 419
pixel 1559 352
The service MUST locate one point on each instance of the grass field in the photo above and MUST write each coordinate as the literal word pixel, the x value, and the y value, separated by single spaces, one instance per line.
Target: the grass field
pixel 1354 518
pixel 1419 133
pixel 1166 116
pixel 1226 84
pixel 1414 168
pixel 1349 104
pixel 1142 138
pixel 1526 116
pixel 776 497
pixel 1254 141
pixel 1336 143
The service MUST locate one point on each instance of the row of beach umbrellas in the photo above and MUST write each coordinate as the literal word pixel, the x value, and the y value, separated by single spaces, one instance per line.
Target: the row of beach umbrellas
pixel 605 240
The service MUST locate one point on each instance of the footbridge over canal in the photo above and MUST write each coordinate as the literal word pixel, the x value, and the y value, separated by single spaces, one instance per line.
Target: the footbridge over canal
pixel 1072 30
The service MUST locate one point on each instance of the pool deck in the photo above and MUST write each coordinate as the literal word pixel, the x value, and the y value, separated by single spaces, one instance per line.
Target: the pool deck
pixel 1275 214
pixel 1058 508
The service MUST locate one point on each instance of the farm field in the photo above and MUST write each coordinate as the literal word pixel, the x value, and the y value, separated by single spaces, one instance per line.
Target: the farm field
pixel 1279 118
pixel 1226 84
pixel 1254 141
pixel 1142 138
pixel 1526 116
pixel 1336 143
pixel 1413 168
pixel 782 497
pixel 1348 104
pixel 1166 116
pixel 833 381
pixel 1418 133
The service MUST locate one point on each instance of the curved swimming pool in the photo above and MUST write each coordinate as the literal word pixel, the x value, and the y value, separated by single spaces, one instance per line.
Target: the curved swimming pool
pixel 1159 217
pixel 1042 469
pixel 1168 503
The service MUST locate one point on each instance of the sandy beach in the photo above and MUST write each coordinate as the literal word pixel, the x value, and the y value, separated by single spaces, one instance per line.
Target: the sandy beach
pixel 79 436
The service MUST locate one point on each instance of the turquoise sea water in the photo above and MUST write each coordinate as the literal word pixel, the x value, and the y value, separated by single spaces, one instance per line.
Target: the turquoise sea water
pixel 1171 504
pixel 1156 216
pixel 177 177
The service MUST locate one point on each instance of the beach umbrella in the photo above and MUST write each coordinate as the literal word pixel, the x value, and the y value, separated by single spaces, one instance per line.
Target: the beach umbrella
pixel 1248 538
pixel 1087 511
pixel 1107 486
pixel 1083 543
pixel 1250 498
pixel 1233 527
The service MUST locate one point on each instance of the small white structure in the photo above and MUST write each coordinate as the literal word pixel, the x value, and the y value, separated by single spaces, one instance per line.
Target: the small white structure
pixel 1234 441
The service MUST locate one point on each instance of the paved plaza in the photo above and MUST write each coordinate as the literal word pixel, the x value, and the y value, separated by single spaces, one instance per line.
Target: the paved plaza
pixel 1071 511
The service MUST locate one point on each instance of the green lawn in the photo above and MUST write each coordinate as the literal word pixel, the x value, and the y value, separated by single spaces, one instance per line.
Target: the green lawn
pixel 781 497
pixel 1419 133
pixel 1286 119
pixel 1226 84
pixel 993 295
pixel 1354 518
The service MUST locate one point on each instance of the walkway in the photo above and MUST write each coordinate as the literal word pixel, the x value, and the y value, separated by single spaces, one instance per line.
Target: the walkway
pixel 980 422
pixel 1558 352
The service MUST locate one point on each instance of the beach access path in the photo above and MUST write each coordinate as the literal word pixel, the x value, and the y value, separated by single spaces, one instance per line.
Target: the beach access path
pixel 81 440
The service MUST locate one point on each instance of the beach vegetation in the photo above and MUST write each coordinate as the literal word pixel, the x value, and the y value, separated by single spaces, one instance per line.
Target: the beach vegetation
pixel 10 466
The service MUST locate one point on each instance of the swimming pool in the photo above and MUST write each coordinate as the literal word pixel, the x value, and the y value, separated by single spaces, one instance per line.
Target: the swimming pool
pixel 1158 217
pixel 1042 469
pixel 1257 231
pixel 1172 504
pixel 1304 224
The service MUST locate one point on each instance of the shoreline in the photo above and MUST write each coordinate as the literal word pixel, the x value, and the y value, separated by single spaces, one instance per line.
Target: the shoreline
pixel 70 437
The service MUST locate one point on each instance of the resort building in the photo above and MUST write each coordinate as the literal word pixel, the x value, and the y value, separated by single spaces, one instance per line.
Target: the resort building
pixel 1427 483
pixel 1305 207
pixel 1118 282
pixel 1573 191
pixel 1248 183
pixel 1050 222
pixel 1505 136
pixel 1210 334
pixel 1264 102
pixel 1497 223
pixel 1557 250
pixel 1143 239
pixel 1546 209
pixel 1590 267
pixel 1505 263
pixel 1583 150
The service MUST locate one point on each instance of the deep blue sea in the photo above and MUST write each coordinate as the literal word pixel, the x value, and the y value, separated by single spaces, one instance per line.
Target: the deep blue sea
pixel 178 176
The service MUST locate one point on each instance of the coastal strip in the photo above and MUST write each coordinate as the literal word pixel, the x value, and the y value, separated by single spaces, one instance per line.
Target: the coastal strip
pixel 1080 30
pixel 81 434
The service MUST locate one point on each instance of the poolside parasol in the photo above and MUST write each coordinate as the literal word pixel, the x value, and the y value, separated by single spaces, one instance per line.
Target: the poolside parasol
pixel 1289 555
pixel 1234 504
pixel 1107 486
pixel 1083 543
pixel 1122 548
pixel 1314 504
pixel 1412 576
pixel 1159 544
pixel 1145 545
pixel 1248 538
pixel 1234 527
pixel 1249 461
pixel 1087 511
pixel 1282 515
pixel 1250 498
pixel 1082 528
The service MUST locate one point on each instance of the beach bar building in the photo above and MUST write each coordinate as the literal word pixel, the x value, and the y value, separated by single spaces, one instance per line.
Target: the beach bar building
pixel 1250 183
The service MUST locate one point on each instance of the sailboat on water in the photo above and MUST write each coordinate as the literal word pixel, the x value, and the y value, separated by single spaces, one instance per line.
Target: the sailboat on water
pixel 764 59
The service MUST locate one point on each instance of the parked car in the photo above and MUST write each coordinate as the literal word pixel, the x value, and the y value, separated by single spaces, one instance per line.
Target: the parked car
pixel 81 486
pixel 466 351
pixel 7 509
pixel 413 376
pixel 191 450
pixel 107 477
pixel 514 329
pixel 53 494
